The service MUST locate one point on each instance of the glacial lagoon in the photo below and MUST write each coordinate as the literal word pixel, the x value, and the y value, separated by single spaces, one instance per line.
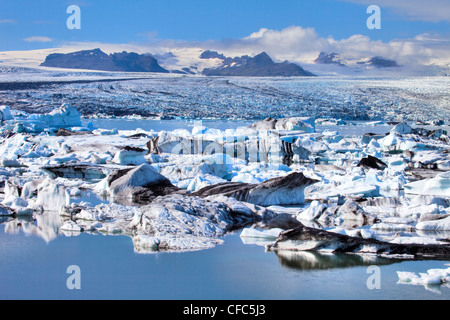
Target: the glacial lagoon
pixel 35 260
pixel 31 268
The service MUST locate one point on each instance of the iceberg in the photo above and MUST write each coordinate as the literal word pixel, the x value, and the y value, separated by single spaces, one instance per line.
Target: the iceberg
pixel 432 277
pixel 285 190
pixel 402 128
pixel 313 212
pixel 141 183
pixel 304 238
pixel 437 186
pixel 178 223
pixel 130 156
pixel 64 117
pixel 221 165
pixel 5 114
pixel 436 225
pixel 51 196
pixel 264 234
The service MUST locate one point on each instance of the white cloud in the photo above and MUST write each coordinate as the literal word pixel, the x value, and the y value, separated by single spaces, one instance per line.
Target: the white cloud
pixel 429 10
pixel 294 43
pixel 302 45
pixel 38 39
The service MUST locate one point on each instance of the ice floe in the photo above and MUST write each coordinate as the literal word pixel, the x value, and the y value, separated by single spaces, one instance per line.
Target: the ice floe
pixel 432 280
pixel 185 189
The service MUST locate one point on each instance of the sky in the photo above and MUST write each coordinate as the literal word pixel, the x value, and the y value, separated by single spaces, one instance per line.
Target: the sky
pixel 305 26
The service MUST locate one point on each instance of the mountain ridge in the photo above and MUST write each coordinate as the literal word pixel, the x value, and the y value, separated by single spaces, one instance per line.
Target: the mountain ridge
pixel 260 65
pixel 98 60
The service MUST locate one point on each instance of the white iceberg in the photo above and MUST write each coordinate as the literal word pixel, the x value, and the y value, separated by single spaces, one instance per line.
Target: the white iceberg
pixel 129 156
pixel 142 176
pixel 259 237
pixel 434 225
pixel 71 226
pixel 313 212
pixel 64 117
pixel 432 277
pixel 270 234
pixel 202 181
pixel 402 128
pixel 5 114
pixel 221 165
pixel 437 186
pixel 51 196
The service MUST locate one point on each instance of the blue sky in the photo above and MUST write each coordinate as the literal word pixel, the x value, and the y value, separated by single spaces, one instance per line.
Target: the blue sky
pixel 31 24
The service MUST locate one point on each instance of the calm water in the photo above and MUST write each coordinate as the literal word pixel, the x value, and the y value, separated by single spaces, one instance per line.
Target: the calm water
pixel 34 268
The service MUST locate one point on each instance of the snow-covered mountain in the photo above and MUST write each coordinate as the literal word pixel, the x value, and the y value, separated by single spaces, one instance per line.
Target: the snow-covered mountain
pixel 98 60
pixel 260 65
pixel 201 61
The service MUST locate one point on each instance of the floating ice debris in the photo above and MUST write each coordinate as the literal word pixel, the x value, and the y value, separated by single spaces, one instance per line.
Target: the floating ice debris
pixel 5 114
pixel 257 146
pixel 438 186
pixel 436 225
pixel 202 183
pixel 51 196
pixel 304 238
pixel 64 117
pixel 178 222
pixel 130 156
pixel 221 165
pixel 260 237
pixel 313 212
pixel 372 162
pixel 297 123
pixel 434 277
pixel 350 210
pixel 71 226
pixel 5 211
pixel 264 234
pixel 402 128
pixel 142 183
pixel 286 190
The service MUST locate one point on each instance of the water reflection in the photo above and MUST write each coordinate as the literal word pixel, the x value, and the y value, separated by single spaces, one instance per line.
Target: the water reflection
pixel 320 261
pixel 45 225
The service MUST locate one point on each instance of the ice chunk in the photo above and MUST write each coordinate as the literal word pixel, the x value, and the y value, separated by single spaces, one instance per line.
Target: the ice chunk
pixel 434 225
pixel 315 210
pixel 51 196
pixel 202 181
pixel 297 124
pixel 5 211
pixel 265 234
pixel 246 178
pixel 138 184
pixel 19 205
pixel 221 165
pixel 260 237
pixel 438 186
pixel 71 226
pixel 350 210
pixel 64 117
pixel 145 243
pixel 402 128
pixel 432 277
pixel 130 156
pixel 5 114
